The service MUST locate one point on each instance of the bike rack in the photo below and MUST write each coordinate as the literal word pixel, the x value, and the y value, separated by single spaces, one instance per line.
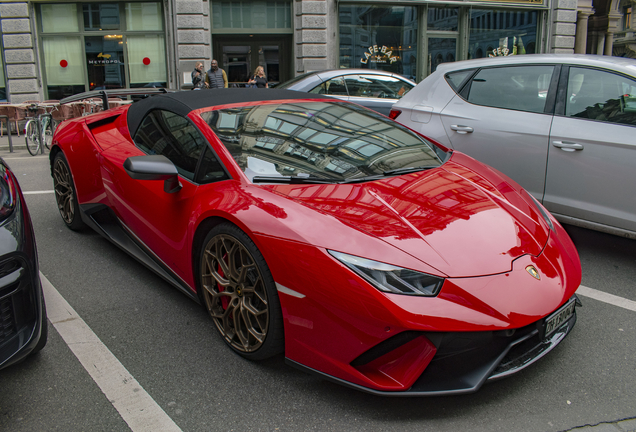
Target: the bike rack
pixel 40 131
pixel 5 117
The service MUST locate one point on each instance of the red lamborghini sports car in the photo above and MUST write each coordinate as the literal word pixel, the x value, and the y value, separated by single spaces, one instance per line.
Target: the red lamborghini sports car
pixel 365 252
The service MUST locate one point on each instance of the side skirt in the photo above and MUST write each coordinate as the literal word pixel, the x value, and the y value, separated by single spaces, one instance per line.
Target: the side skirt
pixel 101 219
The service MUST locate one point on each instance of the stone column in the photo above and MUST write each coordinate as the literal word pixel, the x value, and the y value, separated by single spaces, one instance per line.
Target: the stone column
pixel 312 35
pixel 563 26
pixel 580 43
pixel 609 43
pixel 192 28
pixel 22 74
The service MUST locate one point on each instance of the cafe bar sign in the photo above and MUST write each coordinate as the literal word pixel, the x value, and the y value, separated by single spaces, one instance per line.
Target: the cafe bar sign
pixel 379 55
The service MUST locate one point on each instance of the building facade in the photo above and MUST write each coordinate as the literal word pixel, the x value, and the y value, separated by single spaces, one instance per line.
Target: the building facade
pixel 51 49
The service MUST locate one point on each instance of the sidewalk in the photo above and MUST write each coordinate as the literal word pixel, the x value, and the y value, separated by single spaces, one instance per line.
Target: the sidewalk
pixel 19 146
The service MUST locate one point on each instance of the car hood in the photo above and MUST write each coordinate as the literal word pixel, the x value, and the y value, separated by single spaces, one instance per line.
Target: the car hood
pixel 451 218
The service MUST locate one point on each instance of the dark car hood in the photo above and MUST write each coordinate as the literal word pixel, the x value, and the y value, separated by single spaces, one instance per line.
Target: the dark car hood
pixel 451 218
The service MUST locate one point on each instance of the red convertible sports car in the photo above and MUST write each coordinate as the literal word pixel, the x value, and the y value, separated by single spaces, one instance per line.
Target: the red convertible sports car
pixel 365 252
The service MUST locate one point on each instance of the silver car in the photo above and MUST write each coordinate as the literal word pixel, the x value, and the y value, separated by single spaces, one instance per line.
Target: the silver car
pixel 563 126
pixel 375 89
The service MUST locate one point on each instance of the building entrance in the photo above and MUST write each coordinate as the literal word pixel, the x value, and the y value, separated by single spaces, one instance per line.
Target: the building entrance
pixel 239 55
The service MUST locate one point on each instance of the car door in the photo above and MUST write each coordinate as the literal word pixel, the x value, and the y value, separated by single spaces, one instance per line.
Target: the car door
pixel 592 156
pixel 158 219
pixel 502 118
pixel 378 92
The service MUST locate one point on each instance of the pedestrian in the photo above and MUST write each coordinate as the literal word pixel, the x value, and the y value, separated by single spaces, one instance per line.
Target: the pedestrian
pixel 198 77
pixel 215 77
pixel 259 80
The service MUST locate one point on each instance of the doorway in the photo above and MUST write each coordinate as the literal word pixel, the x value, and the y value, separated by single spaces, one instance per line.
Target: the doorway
pixel 239 55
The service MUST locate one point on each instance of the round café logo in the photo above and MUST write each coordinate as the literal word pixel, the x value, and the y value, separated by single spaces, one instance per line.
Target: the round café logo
pixel 378 55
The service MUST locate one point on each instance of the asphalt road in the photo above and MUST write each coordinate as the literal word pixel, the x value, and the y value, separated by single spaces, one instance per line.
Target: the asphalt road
pixel 168 344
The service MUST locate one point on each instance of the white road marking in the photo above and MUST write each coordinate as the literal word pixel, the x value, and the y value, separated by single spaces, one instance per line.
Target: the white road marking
pixel 607 298
pixel 38 192
pixel 136 407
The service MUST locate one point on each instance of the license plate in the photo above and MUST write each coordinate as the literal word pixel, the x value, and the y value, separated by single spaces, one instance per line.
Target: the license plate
pixel 556 320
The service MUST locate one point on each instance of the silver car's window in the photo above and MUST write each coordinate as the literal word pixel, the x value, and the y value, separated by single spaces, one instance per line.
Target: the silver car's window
pixel 522 88
pixel 376 86
pixel 603 96
pixel 328 140
pixel 455 79
pixel 335 86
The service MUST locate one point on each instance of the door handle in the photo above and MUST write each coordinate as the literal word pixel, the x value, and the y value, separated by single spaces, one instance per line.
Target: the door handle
pixel 567 146
pixel 461 129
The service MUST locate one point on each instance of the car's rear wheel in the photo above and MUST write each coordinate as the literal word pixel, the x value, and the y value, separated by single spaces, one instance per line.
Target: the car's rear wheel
pixel 239 293
pixel 65 193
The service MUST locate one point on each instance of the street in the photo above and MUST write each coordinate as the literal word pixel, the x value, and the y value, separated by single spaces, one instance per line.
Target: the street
pixel 167 343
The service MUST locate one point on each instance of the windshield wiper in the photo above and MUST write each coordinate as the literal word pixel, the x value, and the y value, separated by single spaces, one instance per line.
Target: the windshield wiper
pixel 408 170
pixel 292 180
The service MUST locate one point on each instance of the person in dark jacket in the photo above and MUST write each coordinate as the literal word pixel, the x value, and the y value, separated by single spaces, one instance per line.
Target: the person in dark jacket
pixel 198 77
pixel 215 77
pixel 259 79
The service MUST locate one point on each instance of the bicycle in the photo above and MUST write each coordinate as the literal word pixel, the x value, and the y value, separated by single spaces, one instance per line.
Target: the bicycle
pixel 38 131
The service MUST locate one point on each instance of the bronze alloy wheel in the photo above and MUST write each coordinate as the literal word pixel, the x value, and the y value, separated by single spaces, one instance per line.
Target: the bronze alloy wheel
pixel 235 293
pixel 65 193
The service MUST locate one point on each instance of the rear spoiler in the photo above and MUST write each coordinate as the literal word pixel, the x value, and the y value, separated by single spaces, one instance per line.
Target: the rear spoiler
pixel 105 94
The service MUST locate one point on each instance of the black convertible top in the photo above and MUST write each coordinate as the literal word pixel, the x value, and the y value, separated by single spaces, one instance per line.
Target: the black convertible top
pixel 183 102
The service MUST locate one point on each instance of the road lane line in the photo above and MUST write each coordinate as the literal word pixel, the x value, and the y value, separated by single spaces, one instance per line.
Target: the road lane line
pixel 38 192
pixel 136 407
pixel 607 298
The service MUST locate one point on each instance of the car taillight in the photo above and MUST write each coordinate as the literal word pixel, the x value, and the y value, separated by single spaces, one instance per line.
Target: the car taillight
pixel 8 193
pixel 394 114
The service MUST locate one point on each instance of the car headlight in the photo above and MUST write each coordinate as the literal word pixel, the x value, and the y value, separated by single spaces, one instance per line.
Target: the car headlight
pixel 543 212
pixel 8 194
pixel 391 279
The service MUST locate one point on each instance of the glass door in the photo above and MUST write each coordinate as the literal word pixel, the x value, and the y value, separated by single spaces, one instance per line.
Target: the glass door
pixel 240 55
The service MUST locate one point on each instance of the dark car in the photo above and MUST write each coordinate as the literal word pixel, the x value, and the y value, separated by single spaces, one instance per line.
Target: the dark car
pixel 23 323
pixel 374 89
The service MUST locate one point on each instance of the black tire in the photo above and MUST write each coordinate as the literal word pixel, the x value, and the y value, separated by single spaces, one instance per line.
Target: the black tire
pixel 31 137
pixel 244 306
pixel 65 195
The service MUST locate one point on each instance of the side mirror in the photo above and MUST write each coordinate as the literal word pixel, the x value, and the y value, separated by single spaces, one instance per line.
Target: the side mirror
pixel 155 167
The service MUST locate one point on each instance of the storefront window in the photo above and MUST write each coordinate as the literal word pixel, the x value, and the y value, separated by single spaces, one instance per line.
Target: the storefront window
pixel 251 15
pixel 379 37
pixel 63 60
pixel 59 18
pixel 147 61
pixel 106 46
pixel 101 16
pixel 445 19
pixel 144 16
pixel 502 32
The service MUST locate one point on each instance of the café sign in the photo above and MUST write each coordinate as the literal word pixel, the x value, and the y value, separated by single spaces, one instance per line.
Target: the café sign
pixel 378 55
pixel 103 59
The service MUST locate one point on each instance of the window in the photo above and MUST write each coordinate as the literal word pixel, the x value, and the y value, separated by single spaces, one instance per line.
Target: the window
pixel 92 46
pixel 175 137
pixel 376 86
pixel 251 15
pixel 627 17
pixel 377 37
pixel 335 86
pixel 512 36
pixel 522 88
pixel 455 79
pixel 602 96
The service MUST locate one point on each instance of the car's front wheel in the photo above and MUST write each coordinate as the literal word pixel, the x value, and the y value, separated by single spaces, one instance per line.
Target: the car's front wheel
pixel 239 293
pixel 65 193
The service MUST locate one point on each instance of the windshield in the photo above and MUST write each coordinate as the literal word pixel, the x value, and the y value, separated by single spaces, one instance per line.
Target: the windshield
pixel 332 141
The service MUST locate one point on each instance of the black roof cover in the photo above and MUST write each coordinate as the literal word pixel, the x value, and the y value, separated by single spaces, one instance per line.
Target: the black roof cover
pixel 184 102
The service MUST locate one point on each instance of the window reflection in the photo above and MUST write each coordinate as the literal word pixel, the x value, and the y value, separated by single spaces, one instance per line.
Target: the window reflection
pixel 328 140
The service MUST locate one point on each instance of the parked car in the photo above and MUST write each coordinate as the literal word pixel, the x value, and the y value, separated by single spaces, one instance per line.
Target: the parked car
pixel 375 89
pixel 315 227
pixel 23 323
pixel 562 126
